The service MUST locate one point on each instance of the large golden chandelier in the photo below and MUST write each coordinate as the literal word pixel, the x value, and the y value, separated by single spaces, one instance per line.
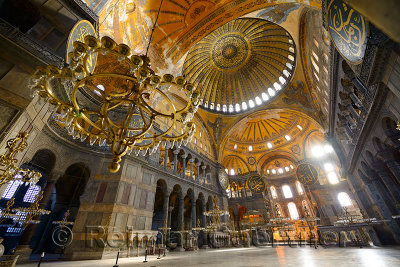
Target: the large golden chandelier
pixel 113 102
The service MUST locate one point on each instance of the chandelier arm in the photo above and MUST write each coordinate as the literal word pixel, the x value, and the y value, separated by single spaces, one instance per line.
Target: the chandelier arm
pixel 153 111
pixel 148 125
pixel 108 75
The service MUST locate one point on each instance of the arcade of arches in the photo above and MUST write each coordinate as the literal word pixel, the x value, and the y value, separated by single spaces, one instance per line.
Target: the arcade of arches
pixel 297 130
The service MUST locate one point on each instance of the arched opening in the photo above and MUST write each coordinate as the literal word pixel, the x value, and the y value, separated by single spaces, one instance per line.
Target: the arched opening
pixel 174 205
pixel 65 198
pixel 158 210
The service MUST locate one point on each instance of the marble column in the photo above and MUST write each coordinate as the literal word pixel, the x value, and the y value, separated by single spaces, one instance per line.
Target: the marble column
pixel 198 171
pixel 170 209
pixel 344 122
pixel 165 207
pixel 193 213
pixel 181 210
pixel 176 152
pixel 203 224
pixel 348 107
pixel 166 157
pixel 202 215
pixel 184 156
pixel 203 168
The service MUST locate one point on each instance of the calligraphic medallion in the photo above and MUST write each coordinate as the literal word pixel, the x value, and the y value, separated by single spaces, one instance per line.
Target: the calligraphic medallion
pixel 348 30
pixel 307 174
pixel 256 184
pixel 78 33
pixel 223 179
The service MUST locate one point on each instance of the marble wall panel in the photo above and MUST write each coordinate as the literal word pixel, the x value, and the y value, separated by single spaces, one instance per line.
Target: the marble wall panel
pixel 132 195
pixel 110 195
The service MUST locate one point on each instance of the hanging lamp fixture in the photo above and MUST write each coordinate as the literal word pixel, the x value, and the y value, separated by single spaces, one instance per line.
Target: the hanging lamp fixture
pixel 115 102
pixel 9 171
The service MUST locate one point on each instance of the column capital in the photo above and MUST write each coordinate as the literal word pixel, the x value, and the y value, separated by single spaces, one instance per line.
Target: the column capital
pixel 192 160
pixel 176 151
pixel 203 167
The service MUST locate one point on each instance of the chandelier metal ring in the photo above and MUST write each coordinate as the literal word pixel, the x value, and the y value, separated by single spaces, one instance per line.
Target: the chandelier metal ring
pixel 125 118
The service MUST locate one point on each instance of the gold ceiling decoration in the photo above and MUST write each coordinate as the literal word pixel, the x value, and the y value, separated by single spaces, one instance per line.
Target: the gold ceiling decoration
pixel 113 104
pixel 241 65
pixel 235 165
pixel 265 130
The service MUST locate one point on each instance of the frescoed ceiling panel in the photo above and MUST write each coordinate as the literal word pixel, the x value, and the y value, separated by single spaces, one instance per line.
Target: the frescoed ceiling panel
pixel 182 23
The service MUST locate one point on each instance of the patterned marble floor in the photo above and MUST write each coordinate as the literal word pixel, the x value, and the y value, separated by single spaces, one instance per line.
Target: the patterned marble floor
pixel 246 257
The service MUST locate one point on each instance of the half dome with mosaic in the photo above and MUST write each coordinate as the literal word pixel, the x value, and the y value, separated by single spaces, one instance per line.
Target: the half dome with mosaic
pixel 241 65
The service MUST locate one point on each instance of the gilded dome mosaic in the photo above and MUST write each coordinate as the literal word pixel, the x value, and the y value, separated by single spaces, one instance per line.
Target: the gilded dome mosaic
pixel 241 65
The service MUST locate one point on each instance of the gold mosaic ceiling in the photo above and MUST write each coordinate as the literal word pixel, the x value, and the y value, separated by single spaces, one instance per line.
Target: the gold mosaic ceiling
pixel 271 126
pixel 241 65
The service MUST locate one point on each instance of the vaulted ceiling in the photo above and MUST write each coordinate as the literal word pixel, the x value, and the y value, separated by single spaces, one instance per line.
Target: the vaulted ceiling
pixel 263 100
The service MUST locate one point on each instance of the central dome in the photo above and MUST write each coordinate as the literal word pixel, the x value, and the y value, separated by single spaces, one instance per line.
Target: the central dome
pixel 241 65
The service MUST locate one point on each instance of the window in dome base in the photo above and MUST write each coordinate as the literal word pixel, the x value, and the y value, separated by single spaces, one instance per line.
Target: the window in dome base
pixel 271 92
pixel 237 107
pixel 251 104
pixel 264 96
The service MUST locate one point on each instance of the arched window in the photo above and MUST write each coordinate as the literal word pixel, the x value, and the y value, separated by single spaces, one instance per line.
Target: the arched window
pixel 344 199
pixel 293 211
pixel 31 194
pixel 299 188
pixel 287 192
pixel 274 194
pixel 12 187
